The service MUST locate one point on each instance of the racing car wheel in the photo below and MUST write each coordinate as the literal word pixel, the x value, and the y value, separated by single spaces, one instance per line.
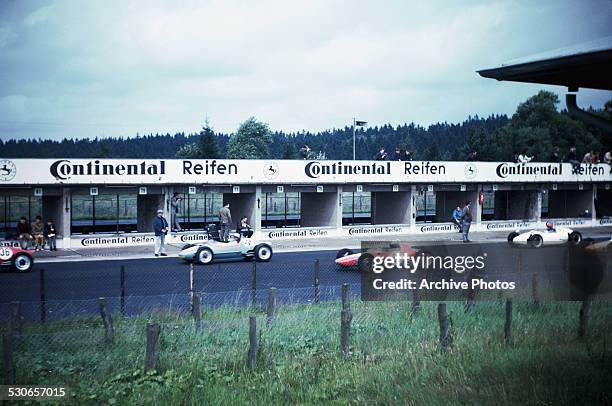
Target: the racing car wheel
pixel 23 263
pixel 535 241
pixel 204 256
pixel 344 252
pixel 512 235
pixel 574 237
pixel 365 262
pixel 263 252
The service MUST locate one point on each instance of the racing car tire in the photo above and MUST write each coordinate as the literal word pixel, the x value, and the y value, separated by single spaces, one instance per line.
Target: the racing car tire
pixel 512 236
pixel 186 246
pixel 574 238
pixel 344 252
pixel 263 253
pixel 365 262
pixel 23 263
pixel 535 241
pixel 204 256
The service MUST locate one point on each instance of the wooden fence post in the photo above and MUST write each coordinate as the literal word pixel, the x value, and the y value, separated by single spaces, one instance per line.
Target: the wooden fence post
pixel 8 365
pixel 345 330
pixel 584 318
pixel 254 284
pixel 15 323
pixel 534 290
pixel 122 290
pixel 197 312
pixel 345 296
pixel 508 324
pixel 152 349
pixel 443 321
pixel 252 342
pixel 191 289
pixel 271 310
pixel 109 332
pixel 43 301
pixel 317 281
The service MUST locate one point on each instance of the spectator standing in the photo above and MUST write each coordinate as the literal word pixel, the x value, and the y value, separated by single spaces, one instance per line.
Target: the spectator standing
pixel 472 156
pixel 50 235
pixel 225 221
pixel 466 220
pixel 595 158
pixel 244 227
pixel 608 159
pixel 160 226
pixel 515 157
pixel 305 152
pixel 38 232
pixel 397 155
pixel 555 155
pixel 588 157
pixel 407 155
pixel 24 233
pixel 382 154
pixel 175 204
pixel 457 217
pixel 572 158
pixel 523 158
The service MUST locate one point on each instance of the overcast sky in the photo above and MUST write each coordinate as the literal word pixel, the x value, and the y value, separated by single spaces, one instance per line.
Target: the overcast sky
pixel 118 68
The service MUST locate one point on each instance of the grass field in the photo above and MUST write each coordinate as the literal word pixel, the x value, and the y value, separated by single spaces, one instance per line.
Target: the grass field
pixel 395 357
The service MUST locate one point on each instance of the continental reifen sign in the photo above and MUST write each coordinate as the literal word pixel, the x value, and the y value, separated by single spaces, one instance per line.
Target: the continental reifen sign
pixel 215 171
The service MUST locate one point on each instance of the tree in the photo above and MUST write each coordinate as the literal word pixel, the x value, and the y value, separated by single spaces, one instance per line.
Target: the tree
pixel 250 141
pixel 207 143
pixel 188 151
pixel 288 151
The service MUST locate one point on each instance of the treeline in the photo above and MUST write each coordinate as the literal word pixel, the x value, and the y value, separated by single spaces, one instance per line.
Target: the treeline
pixel 535 129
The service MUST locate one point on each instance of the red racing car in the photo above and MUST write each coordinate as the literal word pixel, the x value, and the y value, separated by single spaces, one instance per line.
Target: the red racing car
pixel 346 259
pixel 17 259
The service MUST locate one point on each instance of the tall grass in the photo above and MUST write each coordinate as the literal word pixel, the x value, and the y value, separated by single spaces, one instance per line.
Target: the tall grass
pixel 395 357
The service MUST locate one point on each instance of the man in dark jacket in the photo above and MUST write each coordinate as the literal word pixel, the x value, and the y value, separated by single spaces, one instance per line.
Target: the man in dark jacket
pixel 225 222
pixel 466 220
pixel 24 233
pixel 50 235
pixel 160 226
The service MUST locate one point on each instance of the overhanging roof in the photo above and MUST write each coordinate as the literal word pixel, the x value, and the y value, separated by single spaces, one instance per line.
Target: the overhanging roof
pixel 587 65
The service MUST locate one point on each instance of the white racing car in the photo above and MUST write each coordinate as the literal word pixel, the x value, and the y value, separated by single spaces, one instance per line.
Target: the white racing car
pixel 239 248
pixel 549 236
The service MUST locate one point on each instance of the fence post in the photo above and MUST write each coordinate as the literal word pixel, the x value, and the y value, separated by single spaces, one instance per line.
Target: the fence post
pixel 152 349
pixel 508 324
pixel 191 289
pixel 109 332
pixel 252 341
pixel 317 281
pixel 416 302
pixel 345 297
pixel 15 323
pixel 271 310
pixel 197 315
pixel 7 359
pixel 122 290
pixel 345 330
pixel 584 318
pixel 254 284
pixel 443 321
pixel 43 301
pixel 534 290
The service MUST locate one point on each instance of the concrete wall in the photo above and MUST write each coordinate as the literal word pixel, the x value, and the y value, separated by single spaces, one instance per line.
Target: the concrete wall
pixel 320 209
pixel 241 204
pixel 146 207
pixel 517 205
pixel 391 207
pixel 569 203
pixel 604 202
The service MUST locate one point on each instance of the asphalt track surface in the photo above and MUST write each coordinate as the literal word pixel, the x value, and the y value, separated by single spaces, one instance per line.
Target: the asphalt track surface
pixel 73 288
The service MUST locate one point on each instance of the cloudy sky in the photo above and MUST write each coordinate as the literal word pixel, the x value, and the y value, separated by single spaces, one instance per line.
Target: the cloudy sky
pixel 118 68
